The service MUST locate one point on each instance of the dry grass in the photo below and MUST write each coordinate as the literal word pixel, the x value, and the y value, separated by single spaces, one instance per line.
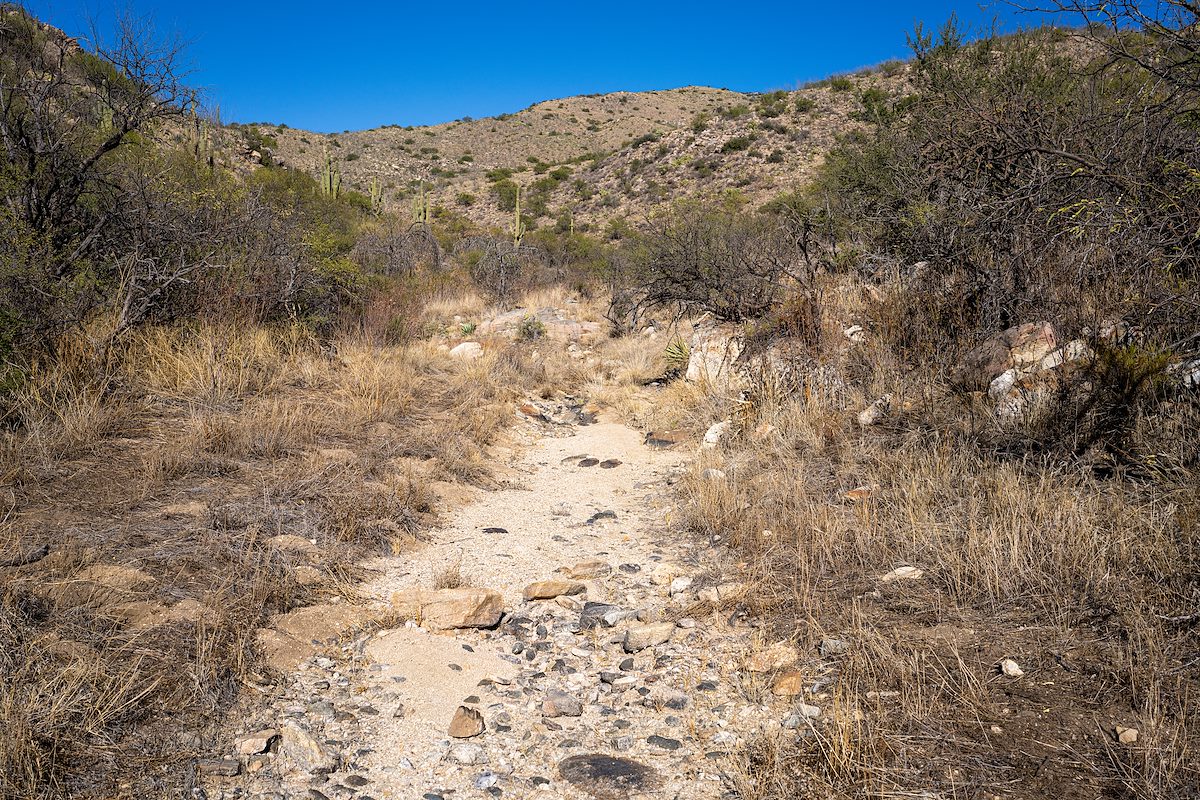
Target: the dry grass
pixel 170 470
pixel 1083 580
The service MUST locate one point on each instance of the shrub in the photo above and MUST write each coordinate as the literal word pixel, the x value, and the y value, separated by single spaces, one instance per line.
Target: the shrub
pixel 805 104
pixel 530 328
pixel 465 199
pixel 841 83
pixel 737 143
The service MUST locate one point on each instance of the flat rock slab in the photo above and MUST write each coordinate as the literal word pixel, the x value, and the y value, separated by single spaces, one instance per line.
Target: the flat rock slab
pixel 609 777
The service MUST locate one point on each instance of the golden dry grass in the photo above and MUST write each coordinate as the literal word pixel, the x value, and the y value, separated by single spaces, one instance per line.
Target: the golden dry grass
pixel 181 459
pixel 1078 577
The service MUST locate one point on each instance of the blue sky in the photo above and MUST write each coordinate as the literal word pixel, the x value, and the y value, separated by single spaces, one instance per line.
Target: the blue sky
pixel 332 66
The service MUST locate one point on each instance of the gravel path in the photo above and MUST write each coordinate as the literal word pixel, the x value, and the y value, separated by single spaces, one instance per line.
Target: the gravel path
pixel 638 693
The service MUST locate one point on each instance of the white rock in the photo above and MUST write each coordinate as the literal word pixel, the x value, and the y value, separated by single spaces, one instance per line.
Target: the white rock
pixel 856 334
pixel 713 474
pixel 1011 668
pixel 680 585
pixel 467 754
pixel 467 351
pixel 876 412
pixel 903 573
pixel 714 434
pixel 1003 384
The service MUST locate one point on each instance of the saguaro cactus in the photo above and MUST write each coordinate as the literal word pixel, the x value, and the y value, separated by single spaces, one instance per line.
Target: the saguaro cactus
pixel 331 177
pixel 518 227
pixel 376 196
pixel 421 207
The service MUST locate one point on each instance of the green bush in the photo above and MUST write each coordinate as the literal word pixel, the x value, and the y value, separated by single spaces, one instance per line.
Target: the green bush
pixel 737 143
pixel 841 83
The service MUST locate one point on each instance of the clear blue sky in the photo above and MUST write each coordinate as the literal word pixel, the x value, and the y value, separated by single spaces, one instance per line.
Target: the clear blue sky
pixel 331 66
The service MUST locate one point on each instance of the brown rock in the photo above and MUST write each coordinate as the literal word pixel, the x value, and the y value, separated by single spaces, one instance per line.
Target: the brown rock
pixel 254 743
pixel 1021 347
pixel 587 570
pixel 467 722
pixel 445 609
pixel 788 684
pixel 548 590
pixel 777 656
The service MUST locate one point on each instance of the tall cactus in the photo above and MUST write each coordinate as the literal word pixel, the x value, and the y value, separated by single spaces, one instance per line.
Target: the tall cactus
pixel 421 207
pixel 376 196
pixel 331 177
pixel 518 227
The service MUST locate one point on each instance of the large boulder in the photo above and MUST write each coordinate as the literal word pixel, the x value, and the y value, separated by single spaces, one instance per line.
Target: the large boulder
pixel 713 351
pixel 1020 348
pixel 446 609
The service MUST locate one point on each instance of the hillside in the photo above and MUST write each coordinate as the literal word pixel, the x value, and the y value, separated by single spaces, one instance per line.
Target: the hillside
pixel 601 156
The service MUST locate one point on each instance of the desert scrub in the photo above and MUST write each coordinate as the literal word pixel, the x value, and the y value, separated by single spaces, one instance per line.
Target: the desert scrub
pixel 530 328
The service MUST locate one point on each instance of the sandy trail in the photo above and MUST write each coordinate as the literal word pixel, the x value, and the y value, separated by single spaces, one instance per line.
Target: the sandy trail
pixel 569 711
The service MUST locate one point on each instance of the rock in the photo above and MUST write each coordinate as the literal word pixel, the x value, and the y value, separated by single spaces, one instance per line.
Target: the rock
pixel 1126 735
pixel 1003 384
pixel 663 440
pixel 561 704
pixel 663 742
pixel 587 570
pixel 254 743
pixel 777 656
pixel 1021 347
pixel 609 777
pixel 445 609
pixel 715 433
pixel 876 412
pixel 1011 669
pixel 713 351
pixel 467 722
pixel 859 494
pixel 679 586
pixel 833 647
pixel 713 474
pixel 466 754
pixel 467 351
pixel 801 715
pixel 548 590
pixel 644 636
pixel 788 684
pixel 592 615
pixel 303 750
pixel 722 593
pixel 902 574
pixel 222 767
pixel 856 334
pixel 1073 352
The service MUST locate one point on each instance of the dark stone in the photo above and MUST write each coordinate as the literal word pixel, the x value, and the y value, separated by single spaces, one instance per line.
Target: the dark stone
pixel 608 777
pixel 355 780
pixel 627 665
pixel 473 699
pixel 317 794
pixel 707 686
pixel 589 462
pixel 630 568
pixel 610 463
pixel 468 648
pixel 495 530
pixel 593 613
pixel 455 667
pixel 599 515
pixel 664 742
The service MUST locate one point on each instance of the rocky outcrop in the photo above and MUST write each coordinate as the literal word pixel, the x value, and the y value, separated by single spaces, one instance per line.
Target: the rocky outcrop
pixel 1020 348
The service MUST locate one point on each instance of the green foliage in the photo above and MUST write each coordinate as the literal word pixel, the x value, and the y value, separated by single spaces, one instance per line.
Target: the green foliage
pixel 805 104
pixel 465 199
pixel 841 83
pixel 530 328
pixel 677 355
pixel 737 144
pixel 700 122
pixel 506 191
